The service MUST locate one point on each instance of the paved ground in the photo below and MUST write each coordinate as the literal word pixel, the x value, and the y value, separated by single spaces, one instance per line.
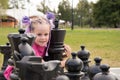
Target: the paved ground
pixel 116 71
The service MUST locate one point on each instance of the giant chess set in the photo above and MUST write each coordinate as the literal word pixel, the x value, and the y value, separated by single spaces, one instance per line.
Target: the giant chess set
pixel 18 53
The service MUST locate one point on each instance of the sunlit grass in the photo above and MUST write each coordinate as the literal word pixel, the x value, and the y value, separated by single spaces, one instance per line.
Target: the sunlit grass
pixel 4 32
pixel 100 42
pixel 3 38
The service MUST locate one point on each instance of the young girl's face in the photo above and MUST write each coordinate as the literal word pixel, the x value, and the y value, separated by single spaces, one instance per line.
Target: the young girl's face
pixel 42 32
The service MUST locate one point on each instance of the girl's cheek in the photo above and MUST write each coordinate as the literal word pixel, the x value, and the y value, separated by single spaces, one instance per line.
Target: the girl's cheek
pixel 37 40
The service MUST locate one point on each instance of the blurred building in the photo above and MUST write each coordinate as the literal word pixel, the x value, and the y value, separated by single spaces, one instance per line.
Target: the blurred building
pixel 13 17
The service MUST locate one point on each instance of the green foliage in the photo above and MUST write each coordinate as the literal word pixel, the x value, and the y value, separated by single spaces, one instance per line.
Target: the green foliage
pixel 3 7
pixel 83 11
pixel 65 10
pixel 107 12
pixel 43 8
pixel 3 4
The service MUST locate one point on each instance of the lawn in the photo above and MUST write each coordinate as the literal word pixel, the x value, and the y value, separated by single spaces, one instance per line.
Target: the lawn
pixel 100 42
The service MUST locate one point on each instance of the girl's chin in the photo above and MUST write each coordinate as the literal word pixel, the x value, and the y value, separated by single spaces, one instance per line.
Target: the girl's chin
pixel 43 45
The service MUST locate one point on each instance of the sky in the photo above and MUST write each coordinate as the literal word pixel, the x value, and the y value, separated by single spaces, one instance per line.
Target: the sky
pixel 54 3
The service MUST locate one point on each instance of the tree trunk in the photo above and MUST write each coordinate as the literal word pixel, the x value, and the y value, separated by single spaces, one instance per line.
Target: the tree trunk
pixel 115 25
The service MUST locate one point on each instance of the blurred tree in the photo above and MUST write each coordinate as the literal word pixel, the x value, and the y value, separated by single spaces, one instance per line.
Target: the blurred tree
pixel 42 7
pixel 16 4
pixel 83 9
pixel 107 12
pixel 65 10
pixel 3 6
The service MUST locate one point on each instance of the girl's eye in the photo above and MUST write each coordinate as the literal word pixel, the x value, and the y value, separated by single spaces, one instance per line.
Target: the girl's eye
pixel 39 34
pixel 46 34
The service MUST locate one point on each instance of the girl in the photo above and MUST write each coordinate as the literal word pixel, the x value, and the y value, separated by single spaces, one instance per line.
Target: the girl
pixel 41 27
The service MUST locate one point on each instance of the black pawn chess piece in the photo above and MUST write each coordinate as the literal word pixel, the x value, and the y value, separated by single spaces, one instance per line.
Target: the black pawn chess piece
pixel 56 48
pixel 84 55
pixel 74 66
pixel 24 48
pixel 94 69
pixel 105 74
pixel 15 39
pixel 6 51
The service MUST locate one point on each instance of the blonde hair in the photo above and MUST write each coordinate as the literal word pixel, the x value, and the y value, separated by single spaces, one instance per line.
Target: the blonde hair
pixel 38 20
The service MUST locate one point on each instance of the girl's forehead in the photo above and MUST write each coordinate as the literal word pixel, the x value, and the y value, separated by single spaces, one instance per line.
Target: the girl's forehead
pixel 42 27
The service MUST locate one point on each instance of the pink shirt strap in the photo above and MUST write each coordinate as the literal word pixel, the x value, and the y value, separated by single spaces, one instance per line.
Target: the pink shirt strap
pixel 8 71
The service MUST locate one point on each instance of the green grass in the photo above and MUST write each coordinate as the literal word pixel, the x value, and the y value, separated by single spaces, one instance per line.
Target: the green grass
pixel 4 32
pixel 100 42
pixel 3 38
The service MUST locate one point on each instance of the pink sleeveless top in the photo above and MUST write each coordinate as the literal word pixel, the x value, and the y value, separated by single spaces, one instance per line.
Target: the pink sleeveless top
pixel 39 50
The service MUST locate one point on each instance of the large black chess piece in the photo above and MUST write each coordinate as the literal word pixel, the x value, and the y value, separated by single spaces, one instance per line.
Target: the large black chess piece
pixel 15 39
pixel 6 51
pixel 32 68
pixel 84 55
pixel 74 66
pixel 105 74
pixel 25 50
pixel 94 69
pixel 21 46
pixel 56 48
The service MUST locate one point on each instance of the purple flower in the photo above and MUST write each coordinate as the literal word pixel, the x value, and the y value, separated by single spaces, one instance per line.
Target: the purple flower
pixel 26 20
pixel 50 15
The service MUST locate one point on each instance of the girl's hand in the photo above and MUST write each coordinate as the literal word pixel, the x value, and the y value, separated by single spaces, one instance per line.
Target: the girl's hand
pixel 63 63
pixel 67 50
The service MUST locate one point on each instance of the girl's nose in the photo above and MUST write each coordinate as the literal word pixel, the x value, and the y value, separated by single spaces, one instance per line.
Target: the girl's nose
pixel 43 37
